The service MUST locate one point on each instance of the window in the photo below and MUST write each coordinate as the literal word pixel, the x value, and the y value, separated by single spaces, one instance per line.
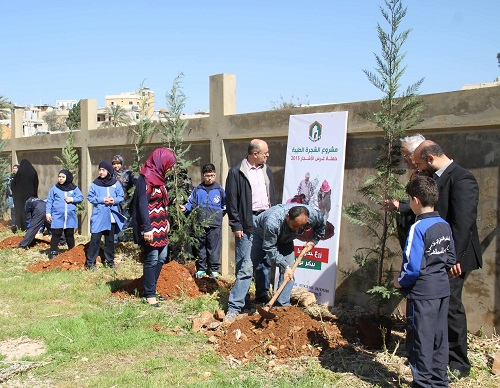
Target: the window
pixel 131 102
pixel 112 103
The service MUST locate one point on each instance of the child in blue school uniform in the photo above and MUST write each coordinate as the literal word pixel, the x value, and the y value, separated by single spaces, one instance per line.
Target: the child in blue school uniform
pixel 105 194
pixel 428 255
pixel 61 211
pixel 210 198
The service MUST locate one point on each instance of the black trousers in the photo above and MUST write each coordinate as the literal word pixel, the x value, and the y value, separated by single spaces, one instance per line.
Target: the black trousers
pixel 69 234
pixel 209 250
pixel 427 341
pixel 457 326
pixel 37 220
pixel 109 247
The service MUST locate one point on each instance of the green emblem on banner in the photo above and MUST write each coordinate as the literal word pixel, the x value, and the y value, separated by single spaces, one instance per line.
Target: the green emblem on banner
pixel 315 130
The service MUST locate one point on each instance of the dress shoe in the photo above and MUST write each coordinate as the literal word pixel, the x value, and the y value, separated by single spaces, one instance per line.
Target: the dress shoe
pixel 161 298
pixel 264 299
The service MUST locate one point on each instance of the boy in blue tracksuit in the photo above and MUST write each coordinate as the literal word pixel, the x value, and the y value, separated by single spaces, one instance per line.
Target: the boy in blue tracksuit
pixel 428 254
pixel 210 198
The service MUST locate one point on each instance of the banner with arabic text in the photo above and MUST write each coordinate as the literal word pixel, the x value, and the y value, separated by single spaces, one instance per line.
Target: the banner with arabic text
pixel 314 174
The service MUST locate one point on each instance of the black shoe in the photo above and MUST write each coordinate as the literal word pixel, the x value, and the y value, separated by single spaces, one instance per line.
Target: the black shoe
pixel 112 265
pixel 154 305
pixel 13 229
pixel 457 374
pixel 90 268
pixel 53 255
pixel 161 298
pixel 264 299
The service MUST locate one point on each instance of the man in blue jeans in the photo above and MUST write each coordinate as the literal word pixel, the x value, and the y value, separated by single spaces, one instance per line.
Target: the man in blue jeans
pixel 250 191
pixel 272 239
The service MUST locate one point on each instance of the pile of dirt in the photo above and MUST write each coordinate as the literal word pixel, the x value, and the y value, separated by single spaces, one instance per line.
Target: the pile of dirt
pixel 13 242
pixel 174 280
pixel 71 260
pixel 292 333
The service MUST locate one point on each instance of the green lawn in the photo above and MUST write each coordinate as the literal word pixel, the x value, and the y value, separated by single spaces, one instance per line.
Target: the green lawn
pixel 94 339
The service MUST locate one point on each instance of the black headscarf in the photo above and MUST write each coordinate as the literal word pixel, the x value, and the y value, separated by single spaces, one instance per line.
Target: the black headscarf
pixel 24 185
pixel 108 180
pixel 68 185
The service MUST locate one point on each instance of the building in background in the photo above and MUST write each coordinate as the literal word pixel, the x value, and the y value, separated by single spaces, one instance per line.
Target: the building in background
pixel 134 100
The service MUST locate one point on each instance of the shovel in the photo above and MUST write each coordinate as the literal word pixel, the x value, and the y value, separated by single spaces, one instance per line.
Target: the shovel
pixel 265 312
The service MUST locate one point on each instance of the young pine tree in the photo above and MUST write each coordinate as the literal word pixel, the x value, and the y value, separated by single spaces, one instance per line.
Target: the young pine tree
pixel 142 130
pixel 399 111
pixel 185 230
pixel 74 120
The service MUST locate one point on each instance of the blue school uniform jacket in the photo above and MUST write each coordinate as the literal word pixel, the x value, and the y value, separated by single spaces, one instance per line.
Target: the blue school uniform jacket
pixel 428 255
pixel 212 203
pixel 63 214
pixel 101 213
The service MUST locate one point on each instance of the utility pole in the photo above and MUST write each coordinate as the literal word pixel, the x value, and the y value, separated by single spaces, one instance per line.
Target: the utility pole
pixel 498 58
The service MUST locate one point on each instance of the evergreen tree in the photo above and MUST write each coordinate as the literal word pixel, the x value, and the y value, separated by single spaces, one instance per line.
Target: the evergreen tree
pixel 4 163
pixel 398 113
pixel 74 120
pixel 185 230
pixel 142 130
pixel 5 108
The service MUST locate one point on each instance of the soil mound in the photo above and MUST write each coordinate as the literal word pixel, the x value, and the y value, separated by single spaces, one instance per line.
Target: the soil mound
pixel 71 260
pixel 13 242
pixel 174 280
pixel 292 333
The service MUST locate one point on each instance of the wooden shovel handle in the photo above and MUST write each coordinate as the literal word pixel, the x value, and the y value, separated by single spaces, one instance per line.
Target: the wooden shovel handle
pixel 285 281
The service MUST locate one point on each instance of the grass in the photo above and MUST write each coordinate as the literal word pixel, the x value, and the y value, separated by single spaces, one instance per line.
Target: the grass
pixel 94 339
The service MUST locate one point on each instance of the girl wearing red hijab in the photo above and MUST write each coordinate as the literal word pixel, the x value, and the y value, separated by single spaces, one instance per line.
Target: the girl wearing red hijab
pixel 150 217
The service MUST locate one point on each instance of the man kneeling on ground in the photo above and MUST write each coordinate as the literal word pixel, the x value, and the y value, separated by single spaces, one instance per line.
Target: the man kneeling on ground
pixel 273 233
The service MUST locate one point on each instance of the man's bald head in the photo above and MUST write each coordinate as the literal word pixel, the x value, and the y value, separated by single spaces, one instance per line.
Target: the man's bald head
pixel 429 156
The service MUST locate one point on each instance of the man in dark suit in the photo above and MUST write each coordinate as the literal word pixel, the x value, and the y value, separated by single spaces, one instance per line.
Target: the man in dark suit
pixel 457 204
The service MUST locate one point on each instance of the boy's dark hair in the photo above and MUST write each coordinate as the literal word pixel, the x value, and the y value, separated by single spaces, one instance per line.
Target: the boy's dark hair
pixel 296 211
pixel 425 189
pixel 209 167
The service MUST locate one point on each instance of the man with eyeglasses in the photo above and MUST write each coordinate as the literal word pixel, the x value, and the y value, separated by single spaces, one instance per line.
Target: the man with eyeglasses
pixel 273 235
pixel 249 192
pixel 406 217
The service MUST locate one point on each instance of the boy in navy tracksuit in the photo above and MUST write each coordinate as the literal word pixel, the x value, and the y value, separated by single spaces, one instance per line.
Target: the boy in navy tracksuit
pixel 210 198
pixel 428 255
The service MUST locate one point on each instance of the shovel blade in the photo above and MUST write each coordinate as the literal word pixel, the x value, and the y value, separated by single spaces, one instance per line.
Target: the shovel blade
pixel 265 313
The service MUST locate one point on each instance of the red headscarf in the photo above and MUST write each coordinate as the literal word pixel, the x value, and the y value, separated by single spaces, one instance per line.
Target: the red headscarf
pixel 155 168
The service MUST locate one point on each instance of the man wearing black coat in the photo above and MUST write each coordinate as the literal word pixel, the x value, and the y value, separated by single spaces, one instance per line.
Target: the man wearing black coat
pixel 250 191
pixel 457 204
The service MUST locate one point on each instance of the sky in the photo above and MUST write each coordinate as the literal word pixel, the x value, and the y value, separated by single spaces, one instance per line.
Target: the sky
pixel 301 51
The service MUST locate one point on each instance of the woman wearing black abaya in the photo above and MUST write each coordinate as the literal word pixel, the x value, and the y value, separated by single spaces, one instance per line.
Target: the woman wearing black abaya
pixel 24 185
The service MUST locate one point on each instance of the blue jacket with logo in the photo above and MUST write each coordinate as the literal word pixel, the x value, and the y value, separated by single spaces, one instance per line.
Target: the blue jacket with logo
pixel 428 255
pixel 211 200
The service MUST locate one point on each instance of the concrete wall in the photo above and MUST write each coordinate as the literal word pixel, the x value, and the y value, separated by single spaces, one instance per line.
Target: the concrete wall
pixel 465 123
